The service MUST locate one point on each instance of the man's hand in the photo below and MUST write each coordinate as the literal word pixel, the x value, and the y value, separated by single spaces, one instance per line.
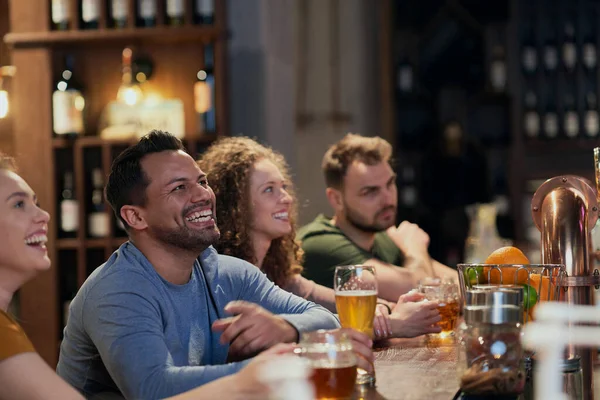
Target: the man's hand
pixel 410 239
pixel 411 319
pixel 252 329
pixel 363 348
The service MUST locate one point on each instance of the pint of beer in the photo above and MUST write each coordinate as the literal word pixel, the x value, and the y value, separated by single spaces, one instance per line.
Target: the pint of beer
pixel 356 299
pixel 356 309
pixel 333 361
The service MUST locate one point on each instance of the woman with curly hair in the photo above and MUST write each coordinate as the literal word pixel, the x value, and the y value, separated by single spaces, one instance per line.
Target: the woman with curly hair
pixel 256 214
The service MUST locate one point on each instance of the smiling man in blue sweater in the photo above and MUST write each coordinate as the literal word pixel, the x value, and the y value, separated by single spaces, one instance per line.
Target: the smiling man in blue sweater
pixel 165 313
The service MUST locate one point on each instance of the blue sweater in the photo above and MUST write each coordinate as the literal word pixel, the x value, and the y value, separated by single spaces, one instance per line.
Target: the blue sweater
pixel 130 331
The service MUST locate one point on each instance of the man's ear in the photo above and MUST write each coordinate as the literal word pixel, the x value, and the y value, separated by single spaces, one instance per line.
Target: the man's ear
pixel 335 199
pixel 134 217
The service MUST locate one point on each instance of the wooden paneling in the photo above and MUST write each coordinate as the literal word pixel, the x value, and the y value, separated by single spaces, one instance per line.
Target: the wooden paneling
pixel 32 144
pixel 29 16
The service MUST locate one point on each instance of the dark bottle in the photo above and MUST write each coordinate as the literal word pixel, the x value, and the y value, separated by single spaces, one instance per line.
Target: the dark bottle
pixel 570 117
pixel 531 117
pixel 61 15
pixel 98 218
pixel 119 12
pixel 90 14
pixel 69 208
pixel 591 123
pixel 204 12
pixel 204 93
pixel 175 12
pixel 146 13
pixel 68 102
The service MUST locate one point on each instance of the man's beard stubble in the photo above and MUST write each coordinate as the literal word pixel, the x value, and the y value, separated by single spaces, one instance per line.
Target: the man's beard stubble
pixel 188 239
pixel 355 219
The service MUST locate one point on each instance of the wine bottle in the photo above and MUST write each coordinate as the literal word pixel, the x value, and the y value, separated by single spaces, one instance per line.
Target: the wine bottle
pixel 405 77
pixel 61 15
pixel 589 50
pixel 118 13
pixel 529 54
pixel 204 12
pixel 68 103
pixel 98 219
pixel 550 56
pixel 146 12
pixel 571 117
pixel 90 13
pixel 175 12
pixel 591 121
pixel 550 125
pixel 69 208
pixel 204 94
pixel 498 69
pixel 569 50
pixel 531 117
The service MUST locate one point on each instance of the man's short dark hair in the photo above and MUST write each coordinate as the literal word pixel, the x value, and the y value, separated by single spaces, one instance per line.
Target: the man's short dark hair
pixel 127 181
pixel 353 147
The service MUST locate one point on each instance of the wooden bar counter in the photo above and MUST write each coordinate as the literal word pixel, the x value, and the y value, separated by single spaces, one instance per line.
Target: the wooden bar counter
pixel 412 369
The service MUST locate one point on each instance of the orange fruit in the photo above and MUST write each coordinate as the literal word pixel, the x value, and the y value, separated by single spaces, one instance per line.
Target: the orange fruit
pixel 507 255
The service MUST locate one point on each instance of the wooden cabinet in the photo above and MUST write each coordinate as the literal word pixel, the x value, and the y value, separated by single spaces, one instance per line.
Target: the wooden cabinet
pixel 37 51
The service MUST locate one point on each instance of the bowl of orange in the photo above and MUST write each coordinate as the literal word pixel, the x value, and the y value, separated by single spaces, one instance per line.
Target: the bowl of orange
pixel 508 266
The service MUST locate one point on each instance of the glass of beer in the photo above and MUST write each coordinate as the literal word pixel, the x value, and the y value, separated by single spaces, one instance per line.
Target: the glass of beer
pixel 333 361
pixel 356 299
pixel 445 292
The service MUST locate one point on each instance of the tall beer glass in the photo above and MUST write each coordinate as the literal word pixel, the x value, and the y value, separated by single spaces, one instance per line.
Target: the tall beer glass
pixel 333 362
pixel 356 299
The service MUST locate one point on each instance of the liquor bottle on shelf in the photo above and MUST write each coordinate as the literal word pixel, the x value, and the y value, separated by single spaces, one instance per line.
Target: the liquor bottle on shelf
pixel 571 117
pixel 204 12
pixel 69 208
pixel 61 15
pixel 550 52
pixel 68 103
pixel 529 54
pixel 146 13
pixel 175 12
pixel 90 13
pixel 204 93
pixel 98 219
pixel 591 121
pixel 550 125
pixel 498 69
pixel 531 117
pixel 130 91
pixel 405 78
pixel 589 48
pixel 119 11
pixel 569 50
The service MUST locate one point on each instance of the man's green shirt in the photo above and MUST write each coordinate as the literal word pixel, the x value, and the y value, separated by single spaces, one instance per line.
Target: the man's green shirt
pixel 325 247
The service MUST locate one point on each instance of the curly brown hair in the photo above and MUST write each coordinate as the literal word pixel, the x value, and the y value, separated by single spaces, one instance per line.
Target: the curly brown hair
pixel 228 163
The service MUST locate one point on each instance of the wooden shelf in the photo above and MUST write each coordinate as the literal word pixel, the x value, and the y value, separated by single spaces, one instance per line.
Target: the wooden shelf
pixel 561 145
pixel 73 244
pixel 185 34
pixel 96 141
